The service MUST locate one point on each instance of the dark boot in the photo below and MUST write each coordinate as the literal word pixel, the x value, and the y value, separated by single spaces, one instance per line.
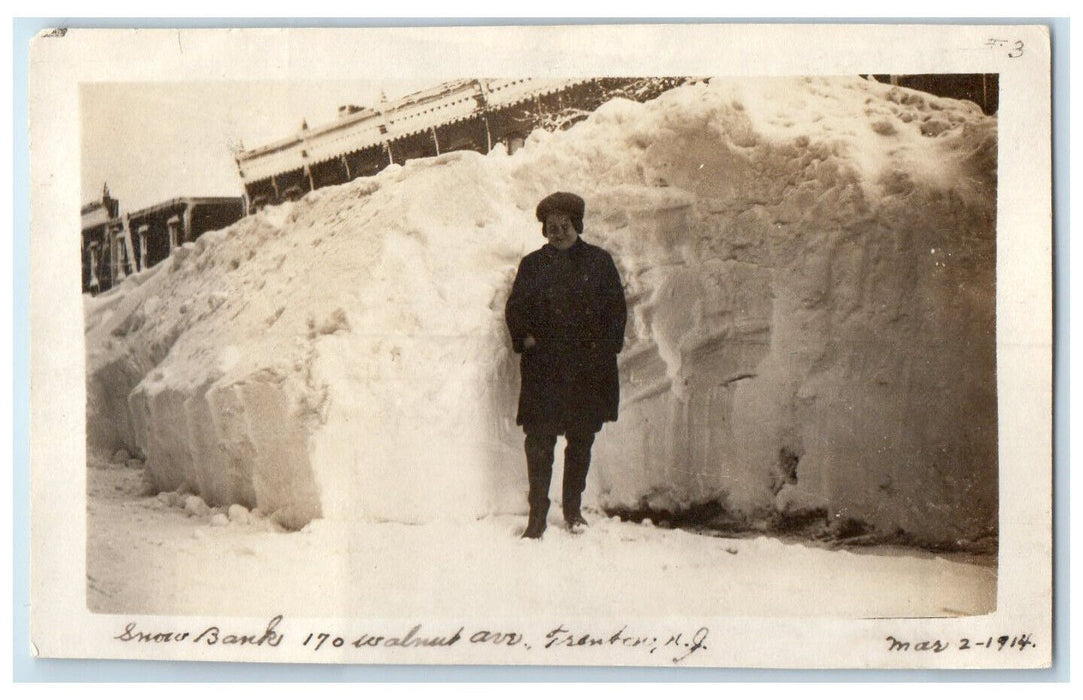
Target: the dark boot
pixel 576 465
pixel 539 463
pixel 535 525
pixel 572 516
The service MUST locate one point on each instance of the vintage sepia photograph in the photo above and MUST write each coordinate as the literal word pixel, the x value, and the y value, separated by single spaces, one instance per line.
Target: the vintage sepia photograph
pixel 530 367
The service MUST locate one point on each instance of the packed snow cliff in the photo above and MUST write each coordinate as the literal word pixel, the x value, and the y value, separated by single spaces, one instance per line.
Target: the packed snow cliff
pixel 810 271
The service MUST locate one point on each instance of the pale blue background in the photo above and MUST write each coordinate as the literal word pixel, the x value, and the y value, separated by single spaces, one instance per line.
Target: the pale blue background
pixel 27 668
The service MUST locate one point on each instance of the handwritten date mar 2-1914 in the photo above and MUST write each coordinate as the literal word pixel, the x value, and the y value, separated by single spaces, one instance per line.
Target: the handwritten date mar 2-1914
pixel 1004 642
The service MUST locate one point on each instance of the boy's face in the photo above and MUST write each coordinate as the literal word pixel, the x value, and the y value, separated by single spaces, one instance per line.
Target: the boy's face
pixel 559 230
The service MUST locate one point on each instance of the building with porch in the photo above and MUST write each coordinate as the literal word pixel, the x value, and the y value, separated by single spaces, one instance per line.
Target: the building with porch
pixel 115 246
pixel 104 250
pixel 473 114
pixel 156 230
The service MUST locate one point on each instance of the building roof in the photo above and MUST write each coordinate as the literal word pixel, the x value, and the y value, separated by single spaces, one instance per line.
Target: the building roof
pixel 442 104
pixel 182 201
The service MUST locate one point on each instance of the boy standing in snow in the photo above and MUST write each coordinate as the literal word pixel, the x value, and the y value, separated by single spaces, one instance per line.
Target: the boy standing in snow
pixel 566 314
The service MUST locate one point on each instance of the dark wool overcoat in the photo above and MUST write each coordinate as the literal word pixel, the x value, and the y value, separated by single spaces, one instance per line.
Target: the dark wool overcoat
pixel 572 302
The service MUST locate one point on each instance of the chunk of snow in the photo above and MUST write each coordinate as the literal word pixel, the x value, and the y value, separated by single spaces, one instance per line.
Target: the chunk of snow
pixel 194 505
pixel 238 514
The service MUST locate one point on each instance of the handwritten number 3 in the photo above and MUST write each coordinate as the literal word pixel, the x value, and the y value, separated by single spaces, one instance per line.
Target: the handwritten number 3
pixel 1017 50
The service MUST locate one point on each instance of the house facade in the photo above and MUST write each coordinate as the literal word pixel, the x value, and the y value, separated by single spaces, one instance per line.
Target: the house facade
pixel 116 245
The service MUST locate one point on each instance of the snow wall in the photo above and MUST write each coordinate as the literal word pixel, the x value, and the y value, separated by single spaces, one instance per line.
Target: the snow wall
pixel 810 270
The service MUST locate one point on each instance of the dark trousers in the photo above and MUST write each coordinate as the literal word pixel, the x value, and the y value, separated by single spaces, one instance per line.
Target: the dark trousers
pixel 539 465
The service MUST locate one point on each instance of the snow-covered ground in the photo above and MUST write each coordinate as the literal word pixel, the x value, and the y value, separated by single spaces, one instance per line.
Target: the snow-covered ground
pixel 147 556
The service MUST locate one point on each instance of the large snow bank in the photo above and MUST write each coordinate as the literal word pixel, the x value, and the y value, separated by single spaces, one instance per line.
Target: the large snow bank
pixel 809 265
